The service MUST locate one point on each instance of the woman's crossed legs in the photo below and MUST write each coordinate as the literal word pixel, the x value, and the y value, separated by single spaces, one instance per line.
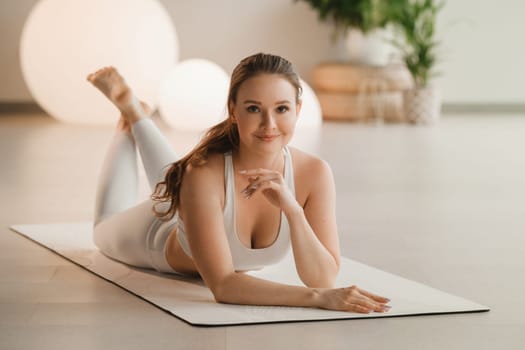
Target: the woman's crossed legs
pixel 124 229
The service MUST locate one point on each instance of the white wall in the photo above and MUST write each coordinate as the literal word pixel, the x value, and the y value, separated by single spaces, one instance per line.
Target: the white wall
pixel 483 51
pixel 482 54
pixel 225 31
pixel 12 17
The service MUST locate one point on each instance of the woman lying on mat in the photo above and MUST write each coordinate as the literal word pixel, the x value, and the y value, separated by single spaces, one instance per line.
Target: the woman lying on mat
pixel 236 202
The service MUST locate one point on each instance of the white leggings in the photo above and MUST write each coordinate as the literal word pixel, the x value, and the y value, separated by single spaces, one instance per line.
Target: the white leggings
pixel 126 230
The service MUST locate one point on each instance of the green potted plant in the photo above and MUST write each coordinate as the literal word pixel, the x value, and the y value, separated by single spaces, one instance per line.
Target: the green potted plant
pixel 362 23
pixel 415 23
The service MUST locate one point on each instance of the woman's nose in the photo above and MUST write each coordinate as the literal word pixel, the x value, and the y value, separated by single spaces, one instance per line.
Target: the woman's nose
pixel 268 120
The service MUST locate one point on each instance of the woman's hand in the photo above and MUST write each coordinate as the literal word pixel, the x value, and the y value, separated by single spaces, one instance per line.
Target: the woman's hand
pixel 271 184
pixel 352 299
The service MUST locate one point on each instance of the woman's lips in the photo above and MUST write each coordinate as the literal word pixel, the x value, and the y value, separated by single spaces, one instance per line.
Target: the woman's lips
pixel 267 137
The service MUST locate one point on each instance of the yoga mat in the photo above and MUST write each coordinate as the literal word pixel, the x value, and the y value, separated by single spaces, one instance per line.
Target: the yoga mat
pixel 190 300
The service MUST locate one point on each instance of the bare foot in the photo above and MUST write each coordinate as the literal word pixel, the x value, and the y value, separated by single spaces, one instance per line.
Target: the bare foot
pixel 115 88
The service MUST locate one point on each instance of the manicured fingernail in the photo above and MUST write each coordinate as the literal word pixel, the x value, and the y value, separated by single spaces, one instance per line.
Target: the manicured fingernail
pixel 242 171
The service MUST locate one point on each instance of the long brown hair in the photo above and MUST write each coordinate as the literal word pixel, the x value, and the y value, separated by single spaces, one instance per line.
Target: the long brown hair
pixel 224 136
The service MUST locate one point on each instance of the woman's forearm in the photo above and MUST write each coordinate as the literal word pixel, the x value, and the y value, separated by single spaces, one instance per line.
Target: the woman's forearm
pixel 315 264
pixel 240 288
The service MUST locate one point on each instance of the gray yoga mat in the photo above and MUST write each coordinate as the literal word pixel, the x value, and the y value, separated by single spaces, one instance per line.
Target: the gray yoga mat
pixel 189 299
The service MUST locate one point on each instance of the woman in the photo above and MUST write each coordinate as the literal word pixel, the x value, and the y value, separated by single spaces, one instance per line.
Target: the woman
pixel 237 202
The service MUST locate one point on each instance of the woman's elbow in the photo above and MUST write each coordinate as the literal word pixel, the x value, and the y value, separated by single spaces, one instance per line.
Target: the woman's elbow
pixel 217 296
pixel 217 290
pixel 220 291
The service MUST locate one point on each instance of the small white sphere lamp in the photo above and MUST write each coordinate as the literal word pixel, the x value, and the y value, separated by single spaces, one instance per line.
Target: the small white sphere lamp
pixel 193 95
pixel 63 41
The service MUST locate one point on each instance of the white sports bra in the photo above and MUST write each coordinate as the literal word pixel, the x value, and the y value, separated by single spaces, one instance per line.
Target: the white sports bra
pixel 245 258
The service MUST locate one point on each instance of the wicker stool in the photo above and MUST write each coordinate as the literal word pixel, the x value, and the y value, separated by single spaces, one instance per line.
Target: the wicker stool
pixel 361 93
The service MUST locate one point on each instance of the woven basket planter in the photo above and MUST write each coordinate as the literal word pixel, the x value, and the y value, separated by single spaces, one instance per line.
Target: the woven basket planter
pixel 422 105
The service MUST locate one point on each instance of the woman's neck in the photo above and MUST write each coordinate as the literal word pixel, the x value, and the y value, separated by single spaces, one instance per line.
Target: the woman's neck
pixel 245 160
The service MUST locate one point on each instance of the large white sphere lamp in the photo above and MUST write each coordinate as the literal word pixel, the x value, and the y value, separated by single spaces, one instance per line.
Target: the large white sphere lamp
pixel 64 40
pixel 193 95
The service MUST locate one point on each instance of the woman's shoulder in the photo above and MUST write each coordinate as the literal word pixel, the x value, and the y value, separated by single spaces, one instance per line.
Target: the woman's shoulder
pixel 203 183
pixel 211 167
pixel 311 174
pixel 306 163
pixel 209 171
pixel 202 188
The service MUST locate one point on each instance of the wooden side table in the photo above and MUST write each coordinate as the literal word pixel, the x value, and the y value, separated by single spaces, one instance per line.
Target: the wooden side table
pixel 360 93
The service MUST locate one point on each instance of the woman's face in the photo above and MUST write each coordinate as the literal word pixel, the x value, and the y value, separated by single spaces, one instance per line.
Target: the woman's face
pixel 265 112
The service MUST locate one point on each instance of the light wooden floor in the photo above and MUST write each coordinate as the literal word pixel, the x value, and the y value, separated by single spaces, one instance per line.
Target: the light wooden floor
pixel 443 206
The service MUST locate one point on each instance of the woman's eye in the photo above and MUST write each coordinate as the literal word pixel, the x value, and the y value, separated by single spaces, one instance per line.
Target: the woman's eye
pixel 282 109
pixel 252 109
